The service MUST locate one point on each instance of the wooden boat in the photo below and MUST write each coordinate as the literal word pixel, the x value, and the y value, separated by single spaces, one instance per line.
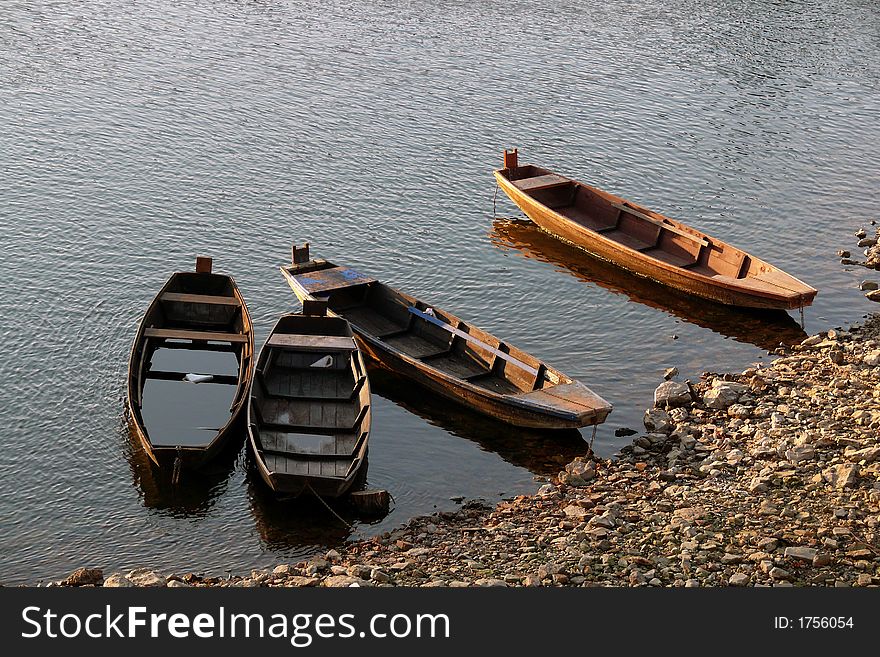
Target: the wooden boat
pixel 444 353
pixel 646 242
pixel 309 413
pixel 182 413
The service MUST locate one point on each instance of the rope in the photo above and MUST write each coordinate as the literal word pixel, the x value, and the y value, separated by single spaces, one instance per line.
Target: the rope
pixel 494 197
pixel 592 438
pixel 330 508
pixel 178 465
pixel 802 316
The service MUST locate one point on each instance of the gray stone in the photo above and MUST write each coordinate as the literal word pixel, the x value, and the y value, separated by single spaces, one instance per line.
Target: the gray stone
pixel 738 579
pixel 117 581
pixel 575 511
pixel 867 241
pixel 873 296
pixel 670 373
pixel 739 411
pixel 672 393
pixel 146 577
pixel 867 286
pixel 177 584
pixel 723 394
pixel 301 582
pixel 342 581
pixel 379 576
pixel 490 581
pixel 842 476
pixel 657 420
pixel 801 553
pixel 778 573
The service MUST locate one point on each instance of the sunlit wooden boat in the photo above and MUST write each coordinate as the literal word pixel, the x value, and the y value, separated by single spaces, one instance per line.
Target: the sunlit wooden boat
pixel 309 414
pixel 445 354
pixel 203 318
pixel 646 242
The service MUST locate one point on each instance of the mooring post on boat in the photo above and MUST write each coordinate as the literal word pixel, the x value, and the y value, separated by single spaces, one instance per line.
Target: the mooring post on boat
pixel 510 158
pixel 300 254
pixel 315 307
pixel 204 265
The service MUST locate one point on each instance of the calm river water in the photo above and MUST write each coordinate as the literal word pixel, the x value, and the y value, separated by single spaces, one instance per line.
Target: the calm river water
pixel 136 135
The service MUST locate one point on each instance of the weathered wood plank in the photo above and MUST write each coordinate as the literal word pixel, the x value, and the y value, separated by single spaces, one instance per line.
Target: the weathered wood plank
pixel 540 182
pixel 181 334
pixel 312 342
pixel 200 298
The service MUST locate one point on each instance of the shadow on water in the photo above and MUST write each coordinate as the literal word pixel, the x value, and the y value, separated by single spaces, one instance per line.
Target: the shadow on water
pixel 298 525
pixel 196 491
pixel 762 328
pixel 540 452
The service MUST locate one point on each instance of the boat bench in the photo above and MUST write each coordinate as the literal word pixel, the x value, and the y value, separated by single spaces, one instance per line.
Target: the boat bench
pixel 321 343
pixel 535 183
pixel 200 298
pixel 181 334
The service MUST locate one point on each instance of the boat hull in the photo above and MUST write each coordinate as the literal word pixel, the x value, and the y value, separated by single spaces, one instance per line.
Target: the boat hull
pixel 190 457
pixel 448 387
pixel 681 279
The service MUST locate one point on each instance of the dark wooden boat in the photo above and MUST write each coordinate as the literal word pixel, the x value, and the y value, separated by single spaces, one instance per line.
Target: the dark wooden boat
pixel 446 354
pixel 309 414
pixel 190 367
pixel 646 242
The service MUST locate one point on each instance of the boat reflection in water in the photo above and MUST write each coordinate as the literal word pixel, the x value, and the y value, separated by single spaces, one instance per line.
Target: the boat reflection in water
pixel 194 493
pixel 540 451
pixel 762 328
pixel 298 527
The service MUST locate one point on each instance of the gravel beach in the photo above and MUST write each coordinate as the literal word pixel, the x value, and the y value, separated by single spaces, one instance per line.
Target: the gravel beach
pixel 769 477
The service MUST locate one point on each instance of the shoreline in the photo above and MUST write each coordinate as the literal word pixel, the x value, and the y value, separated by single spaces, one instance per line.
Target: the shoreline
pixel 770 477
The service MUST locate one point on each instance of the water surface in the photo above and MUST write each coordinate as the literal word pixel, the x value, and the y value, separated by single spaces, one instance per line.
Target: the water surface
pixel 136 135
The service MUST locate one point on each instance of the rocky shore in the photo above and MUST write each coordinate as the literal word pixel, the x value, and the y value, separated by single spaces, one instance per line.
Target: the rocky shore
pixel 770 477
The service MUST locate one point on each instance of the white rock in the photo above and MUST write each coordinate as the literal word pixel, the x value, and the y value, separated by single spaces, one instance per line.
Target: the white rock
pixel 672 393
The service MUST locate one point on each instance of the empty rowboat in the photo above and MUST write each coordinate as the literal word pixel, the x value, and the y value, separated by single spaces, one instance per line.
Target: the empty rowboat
pixel 190 367
pixel 309 413
pixel 646 242
pixel 447 355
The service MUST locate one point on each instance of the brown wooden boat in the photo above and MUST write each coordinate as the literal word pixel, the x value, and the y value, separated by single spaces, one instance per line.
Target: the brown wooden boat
pixel 190 367
pixel 646 242
pixel 309 414
pixel 444 353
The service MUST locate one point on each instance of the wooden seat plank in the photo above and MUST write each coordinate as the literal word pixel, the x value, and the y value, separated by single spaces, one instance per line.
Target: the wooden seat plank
pixel 312 342
pixel 334 278
pixel 535 183
pixel 200 298
pixel 181 334
pixel 624 207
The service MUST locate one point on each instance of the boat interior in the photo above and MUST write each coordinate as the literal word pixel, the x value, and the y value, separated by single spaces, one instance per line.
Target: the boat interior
pixel 647 232
pixel 434 337
pixel 197 329
pixel 310 403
